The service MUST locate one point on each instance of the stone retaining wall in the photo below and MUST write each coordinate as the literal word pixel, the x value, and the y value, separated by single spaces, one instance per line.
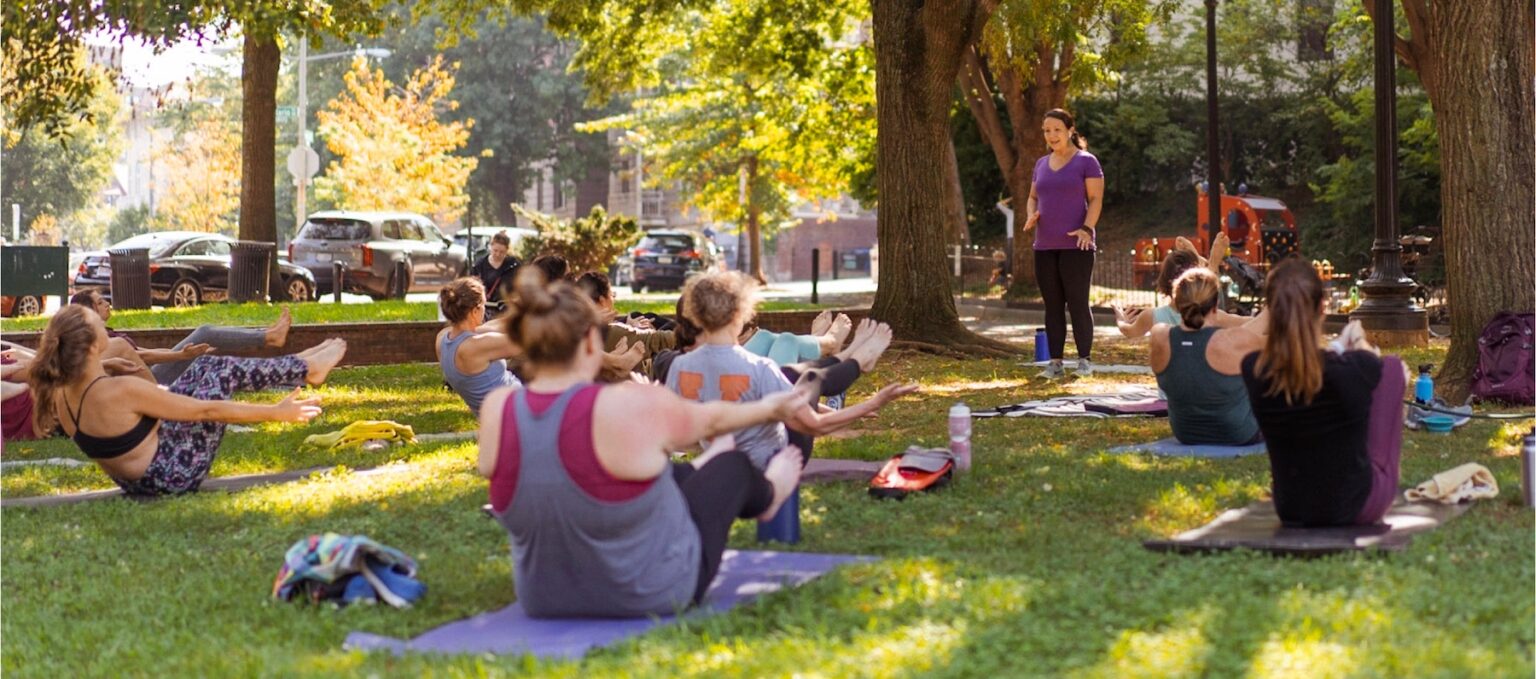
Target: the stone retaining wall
pixel 394 342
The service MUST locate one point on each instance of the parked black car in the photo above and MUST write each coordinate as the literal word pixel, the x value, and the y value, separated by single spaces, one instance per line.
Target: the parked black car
pixel 186 269
pixel 665 258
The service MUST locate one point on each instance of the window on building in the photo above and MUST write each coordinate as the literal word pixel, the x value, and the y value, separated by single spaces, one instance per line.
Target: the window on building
pixel 558 188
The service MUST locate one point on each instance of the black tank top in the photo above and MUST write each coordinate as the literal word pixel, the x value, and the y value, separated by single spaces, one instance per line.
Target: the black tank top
pixel 108 447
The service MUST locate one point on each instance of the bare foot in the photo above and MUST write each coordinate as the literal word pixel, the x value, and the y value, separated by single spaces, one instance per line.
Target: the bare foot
pixel 861 334
pixel 784 473
pixel 870 350
pixel 325 357
pixel 841 326
pixel 277 335
pixel 312 351
pixel 821 323
pixel 1219 246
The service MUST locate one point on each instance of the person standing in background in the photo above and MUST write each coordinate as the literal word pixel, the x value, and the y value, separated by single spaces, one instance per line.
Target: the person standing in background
pixel 496 270
pixel 1065 198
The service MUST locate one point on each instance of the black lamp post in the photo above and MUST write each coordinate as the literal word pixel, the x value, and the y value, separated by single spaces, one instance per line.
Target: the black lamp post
pixel 1388 313
pixel 1212 137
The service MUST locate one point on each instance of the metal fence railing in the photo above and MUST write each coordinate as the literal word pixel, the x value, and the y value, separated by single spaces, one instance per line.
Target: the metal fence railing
pixel 1114 278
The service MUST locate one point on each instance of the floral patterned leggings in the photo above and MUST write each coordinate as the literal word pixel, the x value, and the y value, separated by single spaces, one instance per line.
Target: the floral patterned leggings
pixel 186 449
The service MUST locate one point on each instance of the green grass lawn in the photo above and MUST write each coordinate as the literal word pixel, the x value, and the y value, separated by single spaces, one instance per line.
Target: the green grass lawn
pixel 1028 566
pixel 251 314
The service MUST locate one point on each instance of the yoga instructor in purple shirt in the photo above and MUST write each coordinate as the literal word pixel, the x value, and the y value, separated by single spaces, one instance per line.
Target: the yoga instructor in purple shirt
pixel 1064 201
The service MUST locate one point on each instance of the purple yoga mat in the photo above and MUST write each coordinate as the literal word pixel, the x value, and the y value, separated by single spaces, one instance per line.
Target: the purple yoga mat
pixel 743 576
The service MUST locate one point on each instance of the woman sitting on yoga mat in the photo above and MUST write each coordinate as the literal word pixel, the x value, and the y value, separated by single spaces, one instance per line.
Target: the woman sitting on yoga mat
pixel 602 523
pixel 1332 419
pixel 835 373
pixel 1198 367
pixel 1135 323
pixel 472 354
pixel 165 365
pixel 166 438
pixel 719 304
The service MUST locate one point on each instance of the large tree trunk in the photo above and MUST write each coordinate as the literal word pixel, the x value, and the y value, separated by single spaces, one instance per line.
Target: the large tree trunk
pixel 918 50
pixel 258 189
pixel 1487 171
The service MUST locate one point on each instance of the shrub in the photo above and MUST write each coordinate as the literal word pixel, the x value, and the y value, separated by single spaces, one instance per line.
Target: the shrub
pixel 590 243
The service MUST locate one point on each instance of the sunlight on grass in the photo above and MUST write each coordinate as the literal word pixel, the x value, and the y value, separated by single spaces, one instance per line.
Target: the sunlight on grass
pixel 1310 656
pixel 1174 650
pixel 324 493
pixel 967 387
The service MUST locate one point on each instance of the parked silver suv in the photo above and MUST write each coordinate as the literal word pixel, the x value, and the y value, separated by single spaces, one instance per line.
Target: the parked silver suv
pixel 386 254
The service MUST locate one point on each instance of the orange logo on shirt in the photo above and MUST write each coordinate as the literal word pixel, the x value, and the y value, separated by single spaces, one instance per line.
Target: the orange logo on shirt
pixel 732 387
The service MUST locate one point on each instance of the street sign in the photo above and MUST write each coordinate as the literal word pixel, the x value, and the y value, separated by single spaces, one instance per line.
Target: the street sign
pixel 285 114
pixel 303 163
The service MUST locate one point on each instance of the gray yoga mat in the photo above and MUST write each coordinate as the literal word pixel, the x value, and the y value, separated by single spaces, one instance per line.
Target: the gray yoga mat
pixel 1257 527
pixel 1171 447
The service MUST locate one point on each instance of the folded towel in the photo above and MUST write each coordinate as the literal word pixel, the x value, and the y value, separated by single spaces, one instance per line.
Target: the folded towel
pixel 364 430
pixel 1470 481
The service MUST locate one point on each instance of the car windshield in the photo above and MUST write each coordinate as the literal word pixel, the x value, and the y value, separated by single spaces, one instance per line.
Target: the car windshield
pixel 335 229
pixel 666 243
pixel 156 243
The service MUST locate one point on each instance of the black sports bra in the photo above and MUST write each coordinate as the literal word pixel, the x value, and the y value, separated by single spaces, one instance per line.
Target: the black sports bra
pixel 106 448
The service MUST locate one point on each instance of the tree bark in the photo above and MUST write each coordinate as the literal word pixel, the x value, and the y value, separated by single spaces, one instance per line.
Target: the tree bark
pixel 258 164
pixel 918 51
pixel 1026 104
pixel 754 228
pixel 1487 160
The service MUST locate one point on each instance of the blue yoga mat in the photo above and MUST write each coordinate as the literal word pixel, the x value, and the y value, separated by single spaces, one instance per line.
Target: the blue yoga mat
pixel 743 576
pixel 1170 446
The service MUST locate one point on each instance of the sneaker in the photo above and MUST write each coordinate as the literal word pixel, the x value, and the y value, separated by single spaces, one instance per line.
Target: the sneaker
pixel 1053 371
pixel 1084 367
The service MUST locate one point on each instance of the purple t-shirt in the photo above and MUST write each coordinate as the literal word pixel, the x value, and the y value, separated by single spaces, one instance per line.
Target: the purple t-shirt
pixel 1062 199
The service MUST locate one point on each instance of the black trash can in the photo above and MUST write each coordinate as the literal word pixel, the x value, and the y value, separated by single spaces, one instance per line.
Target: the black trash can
pixel 130 278
pixel 250 267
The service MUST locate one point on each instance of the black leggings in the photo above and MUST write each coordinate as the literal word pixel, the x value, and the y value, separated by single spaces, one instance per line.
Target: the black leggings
pixel 836 376
pixel 726 488
pixel 1064 277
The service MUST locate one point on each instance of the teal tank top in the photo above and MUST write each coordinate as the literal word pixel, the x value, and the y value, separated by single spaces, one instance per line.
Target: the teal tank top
pixel 1205 407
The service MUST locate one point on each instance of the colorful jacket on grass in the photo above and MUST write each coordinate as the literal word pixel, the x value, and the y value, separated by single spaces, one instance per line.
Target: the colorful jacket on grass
pixel 320 566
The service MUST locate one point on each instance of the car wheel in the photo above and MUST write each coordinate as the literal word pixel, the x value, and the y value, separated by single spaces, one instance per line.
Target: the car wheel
pixel 27 305
pixel 184 294
pixel 636 287
pixel 299 290
pixel 399 282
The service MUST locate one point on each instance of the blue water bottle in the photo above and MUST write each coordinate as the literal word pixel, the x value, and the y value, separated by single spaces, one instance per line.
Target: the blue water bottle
pixel 785 526
pixel 1424 387
pixel 1042 346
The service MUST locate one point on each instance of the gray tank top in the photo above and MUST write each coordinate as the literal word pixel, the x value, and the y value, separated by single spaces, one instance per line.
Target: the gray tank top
pixel 472 388
pixel 1205 407
pixel 576 556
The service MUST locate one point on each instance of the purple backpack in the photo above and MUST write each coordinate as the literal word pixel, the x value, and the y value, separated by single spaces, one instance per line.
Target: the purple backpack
pixel 1505 368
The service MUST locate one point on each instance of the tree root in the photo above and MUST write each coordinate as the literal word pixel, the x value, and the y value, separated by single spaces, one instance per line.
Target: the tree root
pixel 954 350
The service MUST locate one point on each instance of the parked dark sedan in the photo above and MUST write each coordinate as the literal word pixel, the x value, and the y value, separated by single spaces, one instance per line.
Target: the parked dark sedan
pixel 186 269
pixel 664 259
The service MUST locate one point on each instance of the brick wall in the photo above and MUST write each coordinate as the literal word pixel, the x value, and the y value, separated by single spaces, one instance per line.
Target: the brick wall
pixel 792 256
pixel 397 342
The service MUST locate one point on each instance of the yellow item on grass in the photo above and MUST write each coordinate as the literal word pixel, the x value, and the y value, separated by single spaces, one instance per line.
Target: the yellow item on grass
pixel 364 430
pixel 1470 481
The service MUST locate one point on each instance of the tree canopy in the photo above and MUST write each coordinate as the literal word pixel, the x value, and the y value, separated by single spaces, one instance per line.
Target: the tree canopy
pixel 394 152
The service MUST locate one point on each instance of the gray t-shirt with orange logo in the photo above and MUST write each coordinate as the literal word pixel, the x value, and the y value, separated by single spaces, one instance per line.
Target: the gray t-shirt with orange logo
pixel 714 372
